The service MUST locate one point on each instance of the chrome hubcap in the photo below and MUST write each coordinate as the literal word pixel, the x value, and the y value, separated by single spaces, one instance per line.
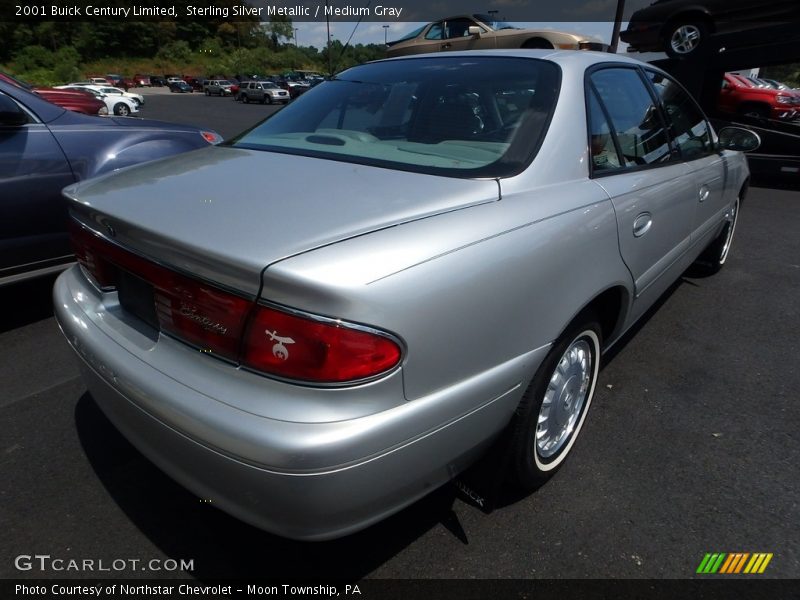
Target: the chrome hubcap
pixel 729 236
pixel 564 399
pixel 685 39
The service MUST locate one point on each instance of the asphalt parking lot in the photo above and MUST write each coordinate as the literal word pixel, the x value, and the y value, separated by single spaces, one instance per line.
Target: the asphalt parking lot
pixel 691 446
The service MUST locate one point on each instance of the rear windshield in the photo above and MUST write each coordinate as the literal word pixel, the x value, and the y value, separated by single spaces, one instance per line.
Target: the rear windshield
pixel 456 116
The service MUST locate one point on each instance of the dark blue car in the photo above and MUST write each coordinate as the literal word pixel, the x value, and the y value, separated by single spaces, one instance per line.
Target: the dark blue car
pixel 43 148
pixel 180 87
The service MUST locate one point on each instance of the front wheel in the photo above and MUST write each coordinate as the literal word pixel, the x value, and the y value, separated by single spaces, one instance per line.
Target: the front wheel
pixel 122 110
pixel 683 39
pixel 554 407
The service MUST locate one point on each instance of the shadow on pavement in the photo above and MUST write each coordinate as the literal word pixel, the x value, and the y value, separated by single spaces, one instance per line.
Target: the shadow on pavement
pixel 26 302
pixel 182 526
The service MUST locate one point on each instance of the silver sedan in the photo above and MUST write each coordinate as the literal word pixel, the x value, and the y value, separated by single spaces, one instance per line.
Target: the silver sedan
pixel 448 245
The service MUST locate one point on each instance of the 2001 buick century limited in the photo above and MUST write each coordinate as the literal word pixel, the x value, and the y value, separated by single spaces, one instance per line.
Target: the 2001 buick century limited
pixel 464 236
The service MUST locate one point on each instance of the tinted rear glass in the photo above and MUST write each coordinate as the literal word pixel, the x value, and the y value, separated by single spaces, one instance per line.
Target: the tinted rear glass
pixel 456 116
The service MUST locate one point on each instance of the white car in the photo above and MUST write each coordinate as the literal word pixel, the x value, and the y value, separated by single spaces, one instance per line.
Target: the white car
pixel 116 104
pixel 110 90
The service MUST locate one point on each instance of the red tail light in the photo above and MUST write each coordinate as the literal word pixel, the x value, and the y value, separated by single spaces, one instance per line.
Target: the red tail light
pixel 321 351
pixel 193 311
pixel 278 342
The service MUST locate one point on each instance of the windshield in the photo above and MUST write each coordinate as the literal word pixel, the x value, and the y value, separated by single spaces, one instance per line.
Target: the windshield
pixel 494 23
pixel 411 35
pixel 456 116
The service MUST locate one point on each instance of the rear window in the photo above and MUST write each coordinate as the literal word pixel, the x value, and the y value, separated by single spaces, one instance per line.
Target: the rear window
pixel 455 116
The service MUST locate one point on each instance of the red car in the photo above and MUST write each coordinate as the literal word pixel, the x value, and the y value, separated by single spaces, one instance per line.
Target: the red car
pixel 82 102
pixel 741 96
pixel 142 80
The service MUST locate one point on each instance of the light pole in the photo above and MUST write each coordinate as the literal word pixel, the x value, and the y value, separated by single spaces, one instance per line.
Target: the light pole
pixel 612 47
pixel 296 43
pixel 328 26
pixel 385 34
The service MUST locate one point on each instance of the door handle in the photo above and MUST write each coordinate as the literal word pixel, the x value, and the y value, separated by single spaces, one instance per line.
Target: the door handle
pixel 704 192
pixel 642 224
pixel 446 46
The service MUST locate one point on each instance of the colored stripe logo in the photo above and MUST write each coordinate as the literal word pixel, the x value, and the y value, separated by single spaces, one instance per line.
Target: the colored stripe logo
pixel 734 563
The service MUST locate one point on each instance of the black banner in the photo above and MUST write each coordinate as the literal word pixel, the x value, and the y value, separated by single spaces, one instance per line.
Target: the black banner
pixel 388 11
pixel 436 589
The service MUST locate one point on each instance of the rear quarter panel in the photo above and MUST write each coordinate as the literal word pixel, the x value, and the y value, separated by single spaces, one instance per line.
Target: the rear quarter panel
pixel 468 290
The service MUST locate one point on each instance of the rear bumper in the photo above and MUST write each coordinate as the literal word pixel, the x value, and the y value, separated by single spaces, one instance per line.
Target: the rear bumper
pixel 292 479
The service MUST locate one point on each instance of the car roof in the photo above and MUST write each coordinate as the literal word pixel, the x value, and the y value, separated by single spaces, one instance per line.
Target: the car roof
pixel 566 58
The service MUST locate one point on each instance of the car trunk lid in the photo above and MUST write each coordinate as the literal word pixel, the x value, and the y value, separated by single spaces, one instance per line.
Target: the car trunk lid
pixel 224 214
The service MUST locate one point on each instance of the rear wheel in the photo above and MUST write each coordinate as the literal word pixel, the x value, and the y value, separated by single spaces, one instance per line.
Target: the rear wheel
pixel 553 408
pixel 245 98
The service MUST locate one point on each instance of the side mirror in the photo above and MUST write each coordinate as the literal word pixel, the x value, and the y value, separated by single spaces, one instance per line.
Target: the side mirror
pixel 11 115
pixel 474 30
pixel 738 138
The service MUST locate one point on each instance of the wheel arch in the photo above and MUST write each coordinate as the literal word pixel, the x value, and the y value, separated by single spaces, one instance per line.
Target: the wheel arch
pixel 744 105
pixel 744 189
pixel 610 307
pixel 538 42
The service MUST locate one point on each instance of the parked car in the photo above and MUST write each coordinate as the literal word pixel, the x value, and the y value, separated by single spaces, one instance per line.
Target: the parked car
pixel 312 78
pixel 782 87
pixel 116 105
pixel 295 88
pixel 427 291
pixel 99 81
pixel 142 80
pixel 217 87
pixel 45 147
pixel 262 91
pixel 481 32
pixel 741 96
pixel 157 81
pixel 180 87
pixel 78 101
pixel 173 79
pixel 195 82
pixel 74 100
pixel 109 90
pixel 681 27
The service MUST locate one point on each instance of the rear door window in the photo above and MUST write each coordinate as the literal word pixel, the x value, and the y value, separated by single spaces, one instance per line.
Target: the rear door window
pixel 686 123
pixel 635 117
